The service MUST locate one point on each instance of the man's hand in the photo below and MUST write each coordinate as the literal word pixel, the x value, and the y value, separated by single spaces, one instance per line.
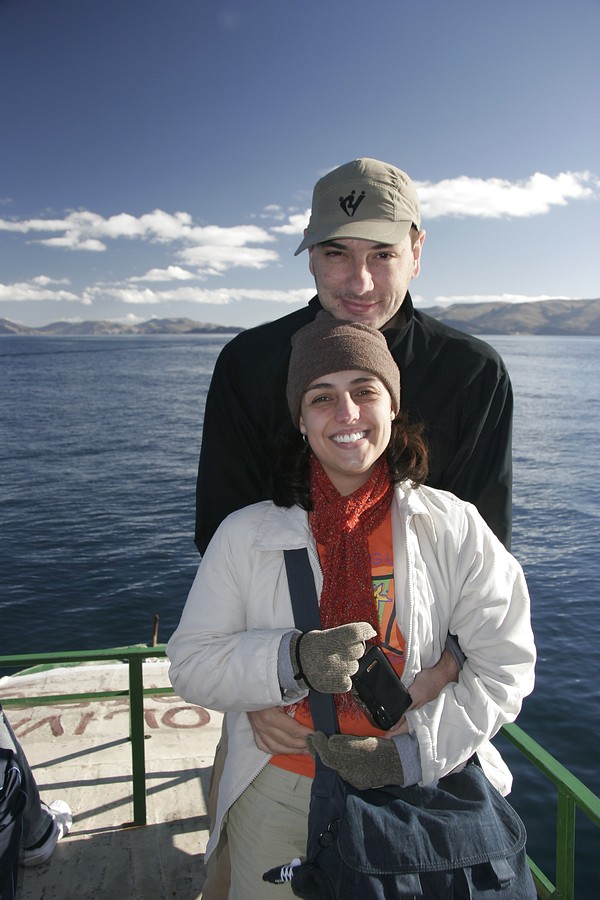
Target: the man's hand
pixel 276 732
pixel 429 682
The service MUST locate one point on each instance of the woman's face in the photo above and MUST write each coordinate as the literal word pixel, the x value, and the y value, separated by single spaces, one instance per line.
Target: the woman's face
pixel 347 418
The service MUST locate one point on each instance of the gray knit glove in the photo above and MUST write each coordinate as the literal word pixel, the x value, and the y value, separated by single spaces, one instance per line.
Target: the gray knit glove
pixel 324 660
pixel 364 762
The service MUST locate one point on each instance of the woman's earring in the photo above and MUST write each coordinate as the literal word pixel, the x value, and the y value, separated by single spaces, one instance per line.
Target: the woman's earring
pixel 305 437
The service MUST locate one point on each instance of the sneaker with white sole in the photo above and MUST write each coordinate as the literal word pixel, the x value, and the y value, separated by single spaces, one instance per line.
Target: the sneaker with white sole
pixel 42 850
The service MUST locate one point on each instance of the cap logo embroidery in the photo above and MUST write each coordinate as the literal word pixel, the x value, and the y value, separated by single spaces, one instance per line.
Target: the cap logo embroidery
pixel 350 204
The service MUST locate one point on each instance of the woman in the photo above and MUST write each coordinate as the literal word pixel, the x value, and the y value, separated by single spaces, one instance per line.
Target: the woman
pixel 394 562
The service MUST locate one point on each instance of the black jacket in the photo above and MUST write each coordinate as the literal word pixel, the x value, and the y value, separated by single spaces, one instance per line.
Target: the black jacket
pixel 455 383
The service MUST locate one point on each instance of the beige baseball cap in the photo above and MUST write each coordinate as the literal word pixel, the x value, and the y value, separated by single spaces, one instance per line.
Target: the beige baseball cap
pixel 365 199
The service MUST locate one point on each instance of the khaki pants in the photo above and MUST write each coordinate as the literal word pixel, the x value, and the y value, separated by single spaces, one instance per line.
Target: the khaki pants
pixel 267 828
pixel 218 868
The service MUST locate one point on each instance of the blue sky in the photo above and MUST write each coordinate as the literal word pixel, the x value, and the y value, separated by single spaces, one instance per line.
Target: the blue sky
pixel 157 157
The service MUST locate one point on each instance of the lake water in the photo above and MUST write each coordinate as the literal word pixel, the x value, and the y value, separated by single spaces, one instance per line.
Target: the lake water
pixel 99 447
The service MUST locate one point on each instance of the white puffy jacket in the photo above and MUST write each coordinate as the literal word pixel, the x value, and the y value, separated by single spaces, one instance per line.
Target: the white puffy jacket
pixel 451 574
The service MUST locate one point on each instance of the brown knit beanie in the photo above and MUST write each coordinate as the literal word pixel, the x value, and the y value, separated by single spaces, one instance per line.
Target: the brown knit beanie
pixel 329 345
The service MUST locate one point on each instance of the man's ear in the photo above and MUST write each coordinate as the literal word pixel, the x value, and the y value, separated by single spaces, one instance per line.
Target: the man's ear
pixel 417 249
pixel 310 256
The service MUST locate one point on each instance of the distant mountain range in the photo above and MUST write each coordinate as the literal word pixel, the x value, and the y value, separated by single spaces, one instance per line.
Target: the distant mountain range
pixel 102 327
pixel 567 317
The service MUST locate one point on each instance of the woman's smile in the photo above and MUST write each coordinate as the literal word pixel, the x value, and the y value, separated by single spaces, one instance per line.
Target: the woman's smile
pixel 349 438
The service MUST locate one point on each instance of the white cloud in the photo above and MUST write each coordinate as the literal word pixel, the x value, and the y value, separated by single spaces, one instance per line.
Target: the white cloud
pixel 38 288
pixel 495 198
pixel 215 297
pixel 215 259
pixel 273 211
pixel 68 242
pixel 296 224
pixel 32 225
pixel 234 236
pixel 84 230
pixel 171 273
pixel 45 280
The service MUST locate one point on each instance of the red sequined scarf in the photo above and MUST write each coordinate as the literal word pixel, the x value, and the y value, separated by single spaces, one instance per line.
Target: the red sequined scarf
pixel 343 525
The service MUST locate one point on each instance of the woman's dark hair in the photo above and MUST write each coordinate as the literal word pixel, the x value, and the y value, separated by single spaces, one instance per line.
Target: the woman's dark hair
pixel 406 453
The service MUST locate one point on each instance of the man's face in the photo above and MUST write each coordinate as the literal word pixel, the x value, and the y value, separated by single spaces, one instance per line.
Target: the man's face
pixel 363 281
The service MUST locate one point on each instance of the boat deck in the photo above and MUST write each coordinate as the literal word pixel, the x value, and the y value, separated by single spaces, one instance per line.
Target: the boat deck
pixel 81 753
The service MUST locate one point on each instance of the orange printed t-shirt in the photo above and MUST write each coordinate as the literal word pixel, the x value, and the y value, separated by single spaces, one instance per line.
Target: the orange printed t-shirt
pixel 392 643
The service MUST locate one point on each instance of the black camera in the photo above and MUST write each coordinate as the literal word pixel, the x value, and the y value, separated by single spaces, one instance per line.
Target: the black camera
pixel 380 689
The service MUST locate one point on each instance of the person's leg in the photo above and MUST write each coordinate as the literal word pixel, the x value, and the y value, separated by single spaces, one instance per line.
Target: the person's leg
pixel 40 851
pixel 12 804
pixel 267 828
pixel 36 817
pixel 43 825
pixel 218 869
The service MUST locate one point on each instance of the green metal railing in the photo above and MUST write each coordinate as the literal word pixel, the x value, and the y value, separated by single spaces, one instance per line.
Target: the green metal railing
pixel 572 793
pixel 134 657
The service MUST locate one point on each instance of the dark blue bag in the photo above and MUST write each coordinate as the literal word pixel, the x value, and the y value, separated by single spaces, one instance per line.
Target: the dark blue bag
pixel 459 839
pixel 456 839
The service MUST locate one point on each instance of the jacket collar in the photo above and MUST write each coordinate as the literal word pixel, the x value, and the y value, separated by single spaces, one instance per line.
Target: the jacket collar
pixel 283 529
pixel 410 500
pixel 289 529
pixel 394 330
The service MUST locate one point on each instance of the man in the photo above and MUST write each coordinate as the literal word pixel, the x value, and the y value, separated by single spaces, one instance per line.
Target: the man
pixel 364 241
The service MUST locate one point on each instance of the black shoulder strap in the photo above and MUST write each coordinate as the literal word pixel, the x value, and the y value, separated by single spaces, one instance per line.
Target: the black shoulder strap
pixel 307 617
pixel 305 602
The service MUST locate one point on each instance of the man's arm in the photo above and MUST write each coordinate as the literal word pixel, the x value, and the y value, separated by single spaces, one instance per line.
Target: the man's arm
pixel 469 430
pixel 482 473
pixel 246 410
pixel 459 387
pixel 233 467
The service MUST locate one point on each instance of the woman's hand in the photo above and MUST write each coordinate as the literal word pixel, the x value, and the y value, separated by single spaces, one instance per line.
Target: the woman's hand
pixel 276 732
pixel 427 686
pixel 401 727
pixel 324 661
pixel 365 762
